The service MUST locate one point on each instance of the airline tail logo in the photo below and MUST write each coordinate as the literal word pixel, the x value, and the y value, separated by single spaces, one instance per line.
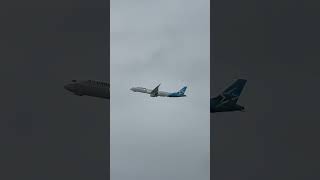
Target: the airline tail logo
pixel 236 88
pixel 232 93
pixel 183 90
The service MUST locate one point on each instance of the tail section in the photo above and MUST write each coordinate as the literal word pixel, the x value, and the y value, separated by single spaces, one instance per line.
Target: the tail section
pixel 227 100
pixel 182 90
pixel 234 91
pixel 155 91
pixel 180 93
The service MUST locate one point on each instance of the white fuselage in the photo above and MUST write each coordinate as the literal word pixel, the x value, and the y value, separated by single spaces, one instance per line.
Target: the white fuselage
pixel 148 91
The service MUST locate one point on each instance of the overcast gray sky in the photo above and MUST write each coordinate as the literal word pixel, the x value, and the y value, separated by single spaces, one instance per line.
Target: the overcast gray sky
pixel 163 42
pixel 45 131
pixel 275 45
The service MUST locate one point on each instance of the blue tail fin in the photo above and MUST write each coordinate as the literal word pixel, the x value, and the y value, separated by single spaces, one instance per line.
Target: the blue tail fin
pixel 182 90
pixel 235 89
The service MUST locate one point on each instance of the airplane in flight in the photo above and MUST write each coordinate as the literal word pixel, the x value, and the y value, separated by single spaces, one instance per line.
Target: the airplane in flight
pixel 92 88
pixel 155 92
pixel 227 100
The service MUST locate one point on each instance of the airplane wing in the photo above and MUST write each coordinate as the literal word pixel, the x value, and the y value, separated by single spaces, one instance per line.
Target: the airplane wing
pixel 155 91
